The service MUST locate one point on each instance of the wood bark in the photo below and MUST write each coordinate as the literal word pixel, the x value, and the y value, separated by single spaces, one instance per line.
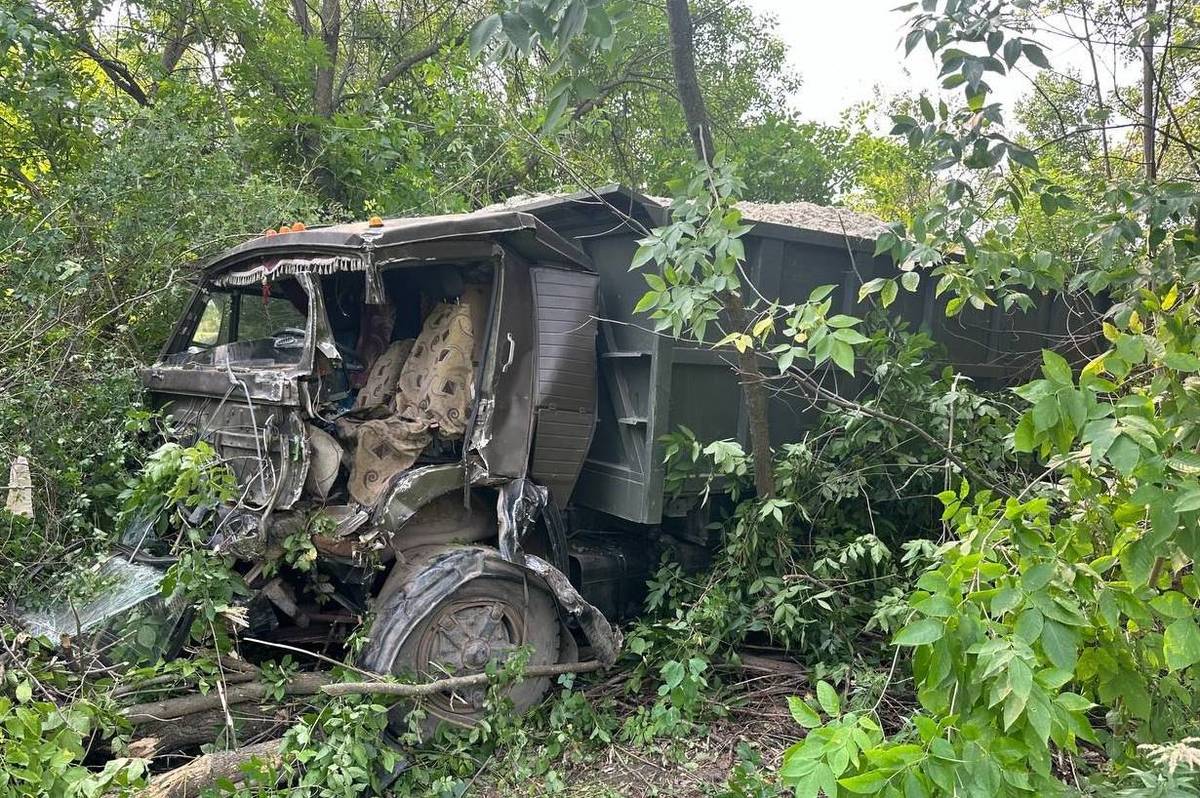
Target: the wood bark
pixel 695 112
pixel 204 727
pixel 453 682
pixel 687 84
pixel 205 771
pixel 1149 101
pixel 172 708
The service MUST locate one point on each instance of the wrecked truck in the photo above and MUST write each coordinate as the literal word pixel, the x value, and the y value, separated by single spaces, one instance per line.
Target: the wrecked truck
pixel 461 415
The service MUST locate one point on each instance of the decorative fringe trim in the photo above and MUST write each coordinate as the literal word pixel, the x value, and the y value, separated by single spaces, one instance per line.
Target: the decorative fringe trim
pixel 290 267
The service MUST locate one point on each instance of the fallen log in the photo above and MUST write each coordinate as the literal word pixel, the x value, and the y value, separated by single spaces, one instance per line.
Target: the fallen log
pixel 204 727
pixel 202 772
pixel 184 706
pixel 452 682
pixel 754 662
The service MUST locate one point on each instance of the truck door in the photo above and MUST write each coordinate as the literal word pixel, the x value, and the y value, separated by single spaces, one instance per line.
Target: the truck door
pixel 504 421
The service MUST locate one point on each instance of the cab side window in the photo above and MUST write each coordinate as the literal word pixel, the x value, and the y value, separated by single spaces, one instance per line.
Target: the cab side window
pixel 213 328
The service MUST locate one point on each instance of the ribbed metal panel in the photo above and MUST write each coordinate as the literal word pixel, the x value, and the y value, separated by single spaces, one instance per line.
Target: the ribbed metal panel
pixel 565 376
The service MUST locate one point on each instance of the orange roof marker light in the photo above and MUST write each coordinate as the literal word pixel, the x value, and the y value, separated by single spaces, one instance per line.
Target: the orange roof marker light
pixel 270 231
pixel 283 228
pixel 299 227
pixel 375 221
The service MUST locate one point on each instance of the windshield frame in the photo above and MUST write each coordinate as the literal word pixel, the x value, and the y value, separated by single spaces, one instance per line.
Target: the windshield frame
pixel 316 331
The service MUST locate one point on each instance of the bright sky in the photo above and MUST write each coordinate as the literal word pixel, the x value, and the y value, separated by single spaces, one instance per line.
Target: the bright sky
pixel 846 49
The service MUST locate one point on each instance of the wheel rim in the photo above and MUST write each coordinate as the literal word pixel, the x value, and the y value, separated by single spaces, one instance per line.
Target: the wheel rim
pixel 460 639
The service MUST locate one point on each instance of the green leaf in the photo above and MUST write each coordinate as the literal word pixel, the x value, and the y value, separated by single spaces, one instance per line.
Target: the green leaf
pixel 852 337
pixel 1007 599
pixel 1056 368
pixel 870 287
pixel 1124 454
pixel 1173 604
pixel 483 32
pixel 843 355
pixel 802 713
pixel 1035 55
pixel 920 633
pixel 829 699
pixel 24 692
pixel 598 24
pixel 910 281
pixel 1181 644
pixel 572 22
pixel 1024 436
pixel 1037 577
pixel 887 294
pixel 648 301
pixel 868 783
pixel 1060 645
pixel 1181 361
pixel 516 29
pixel 1073 702
pixel 1029 625
pixel 557 106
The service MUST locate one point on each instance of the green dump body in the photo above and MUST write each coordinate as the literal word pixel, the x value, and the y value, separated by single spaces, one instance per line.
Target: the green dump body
pixel 649 384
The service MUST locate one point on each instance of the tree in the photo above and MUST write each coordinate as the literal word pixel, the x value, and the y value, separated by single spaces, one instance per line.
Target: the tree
pixel 695 112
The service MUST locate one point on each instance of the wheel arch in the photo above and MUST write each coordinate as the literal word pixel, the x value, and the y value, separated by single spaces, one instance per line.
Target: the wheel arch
pixel 428 576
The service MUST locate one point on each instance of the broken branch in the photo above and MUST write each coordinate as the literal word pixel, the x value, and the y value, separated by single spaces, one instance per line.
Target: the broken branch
pixel 453 682
pixel 172 708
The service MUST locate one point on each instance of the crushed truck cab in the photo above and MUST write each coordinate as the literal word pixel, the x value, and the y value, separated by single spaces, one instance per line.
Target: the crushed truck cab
pixel 378 388
pixel 462 417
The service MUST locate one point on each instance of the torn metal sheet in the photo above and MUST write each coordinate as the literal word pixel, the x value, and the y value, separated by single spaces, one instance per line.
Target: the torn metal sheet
pixel 412 490
pixel 518 505
pixel 605 638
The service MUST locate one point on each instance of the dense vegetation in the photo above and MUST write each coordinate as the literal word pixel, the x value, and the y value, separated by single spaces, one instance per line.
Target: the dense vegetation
pixel 987 594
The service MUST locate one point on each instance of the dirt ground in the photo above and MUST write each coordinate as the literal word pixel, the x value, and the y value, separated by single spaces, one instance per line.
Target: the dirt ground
pixel 756 715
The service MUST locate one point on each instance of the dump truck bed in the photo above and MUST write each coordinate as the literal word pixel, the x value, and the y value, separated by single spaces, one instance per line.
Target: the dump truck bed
pixel 650 384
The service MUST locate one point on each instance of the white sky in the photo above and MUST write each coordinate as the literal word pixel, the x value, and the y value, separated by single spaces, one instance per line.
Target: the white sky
pixel 846 49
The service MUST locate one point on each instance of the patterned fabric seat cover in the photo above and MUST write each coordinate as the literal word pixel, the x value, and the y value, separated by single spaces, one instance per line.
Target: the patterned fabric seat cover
pixel 434 392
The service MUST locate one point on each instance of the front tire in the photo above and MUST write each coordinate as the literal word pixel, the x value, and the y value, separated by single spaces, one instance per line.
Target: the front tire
pixel 483 619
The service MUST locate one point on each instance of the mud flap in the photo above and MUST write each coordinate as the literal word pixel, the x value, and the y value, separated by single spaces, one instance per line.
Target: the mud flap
pixel 433 577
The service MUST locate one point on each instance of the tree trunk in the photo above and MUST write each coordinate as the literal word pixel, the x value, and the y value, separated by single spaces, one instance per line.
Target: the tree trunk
pixel 695 113
pixel 683 62
pixel 323 99
pixel 1149 103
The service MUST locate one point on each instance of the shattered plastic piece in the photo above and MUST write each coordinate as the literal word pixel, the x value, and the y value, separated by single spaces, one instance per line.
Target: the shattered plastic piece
pixel 20 489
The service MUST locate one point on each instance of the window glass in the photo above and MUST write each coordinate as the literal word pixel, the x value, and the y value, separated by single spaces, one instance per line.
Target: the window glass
pixel 261 319
pixel 213 328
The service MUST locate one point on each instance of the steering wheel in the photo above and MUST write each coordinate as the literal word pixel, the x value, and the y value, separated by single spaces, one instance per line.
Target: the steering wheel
pixel 288 338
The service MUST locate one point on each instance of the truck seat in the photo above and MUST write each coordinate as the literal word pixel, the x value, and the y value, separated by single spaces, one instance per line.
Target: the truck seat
pixel 433 394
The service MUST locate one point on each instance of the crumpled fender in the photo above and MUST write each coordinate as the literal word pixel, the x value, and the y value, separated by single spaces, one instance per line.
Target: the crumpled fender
pixel 432 576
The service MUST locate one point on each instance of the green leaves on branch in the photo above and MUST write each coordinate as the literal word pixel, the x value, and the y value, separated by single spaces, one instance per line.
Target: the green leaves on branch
pixel 573 32
pixel 698 259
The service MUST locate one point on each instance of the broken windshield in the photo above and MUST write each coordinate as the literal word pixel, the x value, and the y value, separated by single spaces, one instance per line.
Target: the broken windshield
pixel 259 326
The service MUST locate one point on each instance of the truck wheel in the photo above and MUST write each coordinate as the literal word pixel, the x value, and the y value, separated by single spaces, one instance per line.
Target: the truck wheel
pixel 484 619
